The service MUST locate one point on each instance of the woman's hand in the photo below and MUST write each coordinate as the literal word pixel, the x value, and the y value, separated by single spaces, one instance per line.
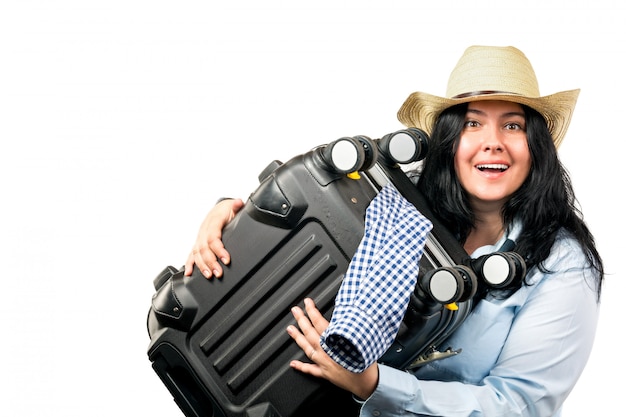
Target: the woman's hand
pixel 312 325
pixel 209 247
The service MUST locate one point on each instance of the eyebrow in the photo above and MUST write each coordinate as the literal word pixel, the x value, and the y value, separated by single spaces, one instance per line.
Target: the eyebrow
pixel 504 115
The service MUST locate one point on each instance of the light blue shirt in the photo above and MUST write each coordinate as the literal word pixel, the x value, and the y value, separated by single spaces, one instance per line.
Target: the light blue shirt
pixel 521 355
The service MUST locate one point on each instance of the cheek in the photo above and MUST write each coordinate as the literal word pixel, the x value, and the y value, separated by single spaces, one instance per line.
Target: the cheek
pixel 460 152
pixel 523 158
pixel 462 157
pixel 462 171
pixel 528 165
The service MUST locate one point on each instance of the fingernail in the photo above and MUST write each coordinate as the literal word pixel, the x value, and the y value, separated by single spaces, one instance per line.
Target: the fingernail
pixel 206 273
pixel 224 260
pixel 217 273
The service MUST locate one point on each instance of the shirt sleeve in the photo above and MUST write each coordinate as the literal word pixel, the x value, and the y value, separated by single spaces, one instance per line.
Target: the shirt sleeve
pixel 549 342
pixel 375 291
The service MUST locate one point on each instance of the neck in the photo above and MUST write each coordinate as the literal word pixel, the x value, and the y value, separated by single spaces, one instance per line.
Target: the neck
pixel 487 230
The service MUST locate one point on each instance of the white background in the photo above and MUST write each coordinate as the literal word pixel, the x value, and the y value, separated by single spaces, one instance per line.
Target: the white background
pixel 121 123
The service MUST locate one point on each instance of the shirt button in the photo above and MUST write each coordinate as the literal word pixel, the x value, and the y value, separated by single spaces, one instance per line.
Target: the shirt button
pixel 376 413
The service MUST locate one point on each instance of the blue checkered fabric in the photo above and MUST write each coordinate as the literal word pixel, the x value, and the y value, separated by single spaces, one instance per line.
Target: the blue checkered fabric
pixel 375 291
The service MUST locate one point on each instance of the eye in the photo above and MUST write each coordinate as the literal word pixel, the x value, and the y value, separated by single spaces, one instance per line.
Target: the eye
pixel 471 123
pixel 514 126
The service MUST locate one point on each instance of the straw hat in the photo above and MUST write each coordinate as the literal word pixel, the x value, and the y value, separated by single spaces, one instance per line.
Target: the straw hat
pixel 492 73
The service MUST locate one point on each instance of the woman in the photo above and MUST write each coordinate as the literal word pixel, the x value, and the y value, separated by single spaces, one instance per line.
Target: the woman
pixel 492 175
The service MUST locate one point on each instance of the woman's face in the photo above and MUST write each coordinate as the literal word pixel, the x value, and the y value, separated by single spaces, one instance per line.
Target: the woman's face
pixel 493 159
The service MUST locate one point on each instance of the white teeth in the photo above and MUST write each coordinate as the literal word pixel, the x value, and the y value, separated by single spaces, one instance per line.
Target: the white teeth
pixel 492 166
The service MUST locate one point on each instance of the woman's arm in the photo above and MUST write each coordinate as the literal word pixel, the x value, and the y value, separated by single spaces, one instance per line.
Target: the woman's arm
pixel 521 355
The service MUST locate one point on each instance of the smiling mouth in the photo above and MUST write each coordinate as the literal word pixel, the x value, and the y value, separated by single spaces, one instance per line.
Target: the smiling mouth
pixel 492 167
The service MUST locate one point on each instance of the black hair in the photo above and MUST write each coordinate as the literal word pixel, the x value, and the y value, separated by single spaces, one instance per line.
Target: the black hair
pixel 545 204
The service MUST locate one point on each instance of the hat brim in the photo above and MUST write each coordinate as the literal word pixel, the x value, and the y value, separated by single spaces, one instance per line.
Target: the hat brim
pixel 422 109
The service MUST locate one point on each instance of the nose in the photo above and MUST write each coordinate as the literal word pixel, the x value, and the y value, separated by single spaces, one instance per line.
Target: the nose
pixel 492 140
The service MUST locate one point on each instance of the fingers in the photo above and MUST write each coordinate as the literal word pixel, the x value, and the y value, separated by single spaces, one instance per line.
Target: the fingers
pixel 208 253
pixel 311 325
pixel 205 258
pixel 315 316
pixel 208 268
pixel 236 205
pixel 308 341
pixel 189 264
pixel 307 368
pixel 307 337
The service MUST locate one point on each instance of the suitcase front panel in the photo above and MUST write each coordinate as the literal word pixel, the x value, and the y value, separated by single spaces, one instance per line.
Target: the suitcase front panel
pixel 220 345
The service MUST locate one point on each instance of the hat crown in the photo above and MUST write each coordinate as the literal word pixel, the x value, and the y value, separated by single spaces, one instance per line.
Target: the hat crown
pixel 492 73
pixel 493 69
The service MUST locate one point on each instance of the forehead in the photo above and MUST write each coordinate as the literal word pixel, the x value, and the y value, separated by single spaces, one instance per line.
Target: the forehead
pixel 495 106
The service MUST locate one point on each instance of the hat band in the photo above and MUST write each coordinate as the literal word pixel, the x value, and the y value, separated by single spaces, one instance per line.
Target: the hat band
pixel 483 93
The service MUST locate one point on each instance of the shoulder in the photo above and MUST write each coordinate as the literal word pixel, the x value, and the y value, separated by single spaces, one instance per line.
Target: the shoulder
pixel 566 253
pixel 566 265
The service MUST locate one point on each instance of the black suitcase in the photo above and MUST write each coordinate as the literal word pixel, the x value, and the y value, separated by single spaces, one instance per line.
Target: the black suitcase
pixel 220 345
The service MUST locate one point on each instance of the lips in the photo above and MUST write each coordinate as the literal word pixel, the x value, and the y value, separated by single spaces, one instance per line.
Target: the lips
pixel 492 167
